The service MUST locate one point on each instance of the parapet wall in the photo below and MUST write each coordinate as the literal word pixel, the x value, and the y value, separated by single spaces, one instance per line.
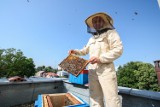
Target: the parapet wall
pixel 17 93
pixel 130 97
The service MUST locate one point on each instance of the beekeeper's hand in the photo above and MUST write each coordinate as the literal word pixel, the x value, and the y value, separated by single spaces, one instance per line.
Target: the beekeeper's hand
pixel 94 60
pixel 72 52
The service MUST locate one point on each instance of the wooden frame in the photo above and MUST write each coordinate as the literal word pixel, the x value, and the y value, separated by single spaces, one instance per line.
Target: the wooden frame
pixel 73 64
pixel 60 100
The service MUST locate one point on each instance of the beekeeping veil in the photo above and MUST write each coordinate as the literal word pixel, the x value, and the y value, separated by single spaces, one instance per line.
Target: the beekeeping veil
pixel 108 22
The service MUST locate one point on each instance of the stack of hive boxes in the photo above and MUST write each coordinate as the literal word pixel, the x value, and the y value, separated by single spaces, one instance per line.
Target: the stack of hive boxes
pixel 82 78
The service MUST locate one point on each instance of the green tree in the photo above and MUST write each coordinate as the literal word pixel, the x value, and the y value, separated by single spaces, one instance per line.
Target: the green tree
pixel 14 63
pixel 138 75
pixel 49 69
pixel 46 69
pixel 55 70
pixel 40 68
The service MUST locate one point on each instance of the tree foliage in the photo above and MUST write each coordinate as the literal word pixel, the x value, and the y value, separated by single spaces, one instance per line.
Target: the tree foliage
pixel 14 63
pixel 138 75
pixel 46 69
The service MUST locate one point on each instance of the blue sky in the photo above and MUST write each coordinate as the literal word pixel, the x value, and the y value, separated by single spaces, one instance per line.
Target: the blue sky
pixel 45 30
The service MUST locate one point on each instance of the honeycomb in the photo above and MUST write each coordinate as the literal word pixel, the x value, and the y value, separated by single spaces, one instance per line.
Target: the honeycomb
pixel 73 64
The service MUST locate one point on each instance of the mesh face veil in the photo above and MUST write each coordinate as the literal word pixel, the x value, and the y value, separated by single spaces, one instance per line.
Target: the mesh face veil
pixel 91 30
pixel 106 19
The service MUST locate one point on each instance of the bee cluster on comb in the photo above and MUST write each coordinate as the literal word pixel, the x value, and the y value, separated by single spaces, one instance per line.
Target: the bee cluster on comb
pixel 73 64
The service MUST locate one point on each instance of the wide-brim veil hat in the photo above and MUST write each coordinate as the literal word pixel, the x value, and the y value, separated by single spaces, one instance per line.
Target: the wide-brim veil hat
pixel 105 17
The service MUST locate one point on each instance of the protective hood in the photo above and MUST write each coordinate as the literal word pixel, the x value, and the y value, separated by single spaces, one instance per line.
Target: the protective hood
pixel 108 22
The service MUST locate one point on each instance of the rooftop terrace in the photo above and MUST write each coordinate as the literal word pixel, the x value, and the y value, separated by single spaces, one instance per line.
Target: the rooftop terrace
pixel 16 93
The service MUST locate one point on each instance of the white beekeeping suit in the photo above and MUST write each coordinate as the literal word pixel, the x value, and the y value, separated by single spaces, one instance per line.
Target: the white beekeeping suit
pixel 158 2
pixel 105 46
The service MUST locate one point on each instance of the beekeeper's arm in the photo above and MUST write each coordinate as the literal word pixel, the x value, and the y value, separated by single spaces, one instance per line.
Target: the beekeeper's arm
pixel 115 50
pixel 83 51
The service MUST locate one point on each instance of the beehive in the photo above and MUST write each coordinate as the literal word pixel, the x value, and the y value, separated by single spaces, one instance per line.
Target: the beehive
pixel 82 78
pixel 59 100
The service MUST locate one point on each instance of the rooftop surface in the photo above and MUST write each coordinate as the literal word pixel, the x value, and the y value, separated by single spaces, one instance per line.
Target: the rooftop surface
pixel 27 92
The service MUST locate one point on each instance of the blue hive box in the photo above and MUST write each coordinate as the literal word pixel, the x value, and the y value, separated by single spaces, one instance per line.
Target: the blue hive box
pixel 82 78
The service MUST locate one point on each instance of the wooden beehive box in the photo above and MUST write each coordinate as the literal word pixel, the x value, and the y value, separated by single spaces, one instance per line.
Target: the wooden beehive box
pixel 73 64
pixel 60 100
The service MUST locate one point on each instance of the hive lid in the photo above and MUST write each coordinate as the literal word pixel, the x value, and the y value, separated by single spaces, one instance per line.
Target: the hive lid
pixel 73 64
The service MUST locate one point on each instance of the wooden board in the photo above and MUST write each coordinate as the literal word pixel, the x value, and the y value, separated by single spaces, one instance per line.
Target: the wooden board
pixel 45 102
pixel 73 64
pixel 71 98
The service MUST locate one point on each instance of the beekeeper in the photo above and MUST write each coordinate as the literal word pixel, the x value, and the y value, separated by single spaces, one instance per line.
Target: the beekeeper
pixel 103 47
